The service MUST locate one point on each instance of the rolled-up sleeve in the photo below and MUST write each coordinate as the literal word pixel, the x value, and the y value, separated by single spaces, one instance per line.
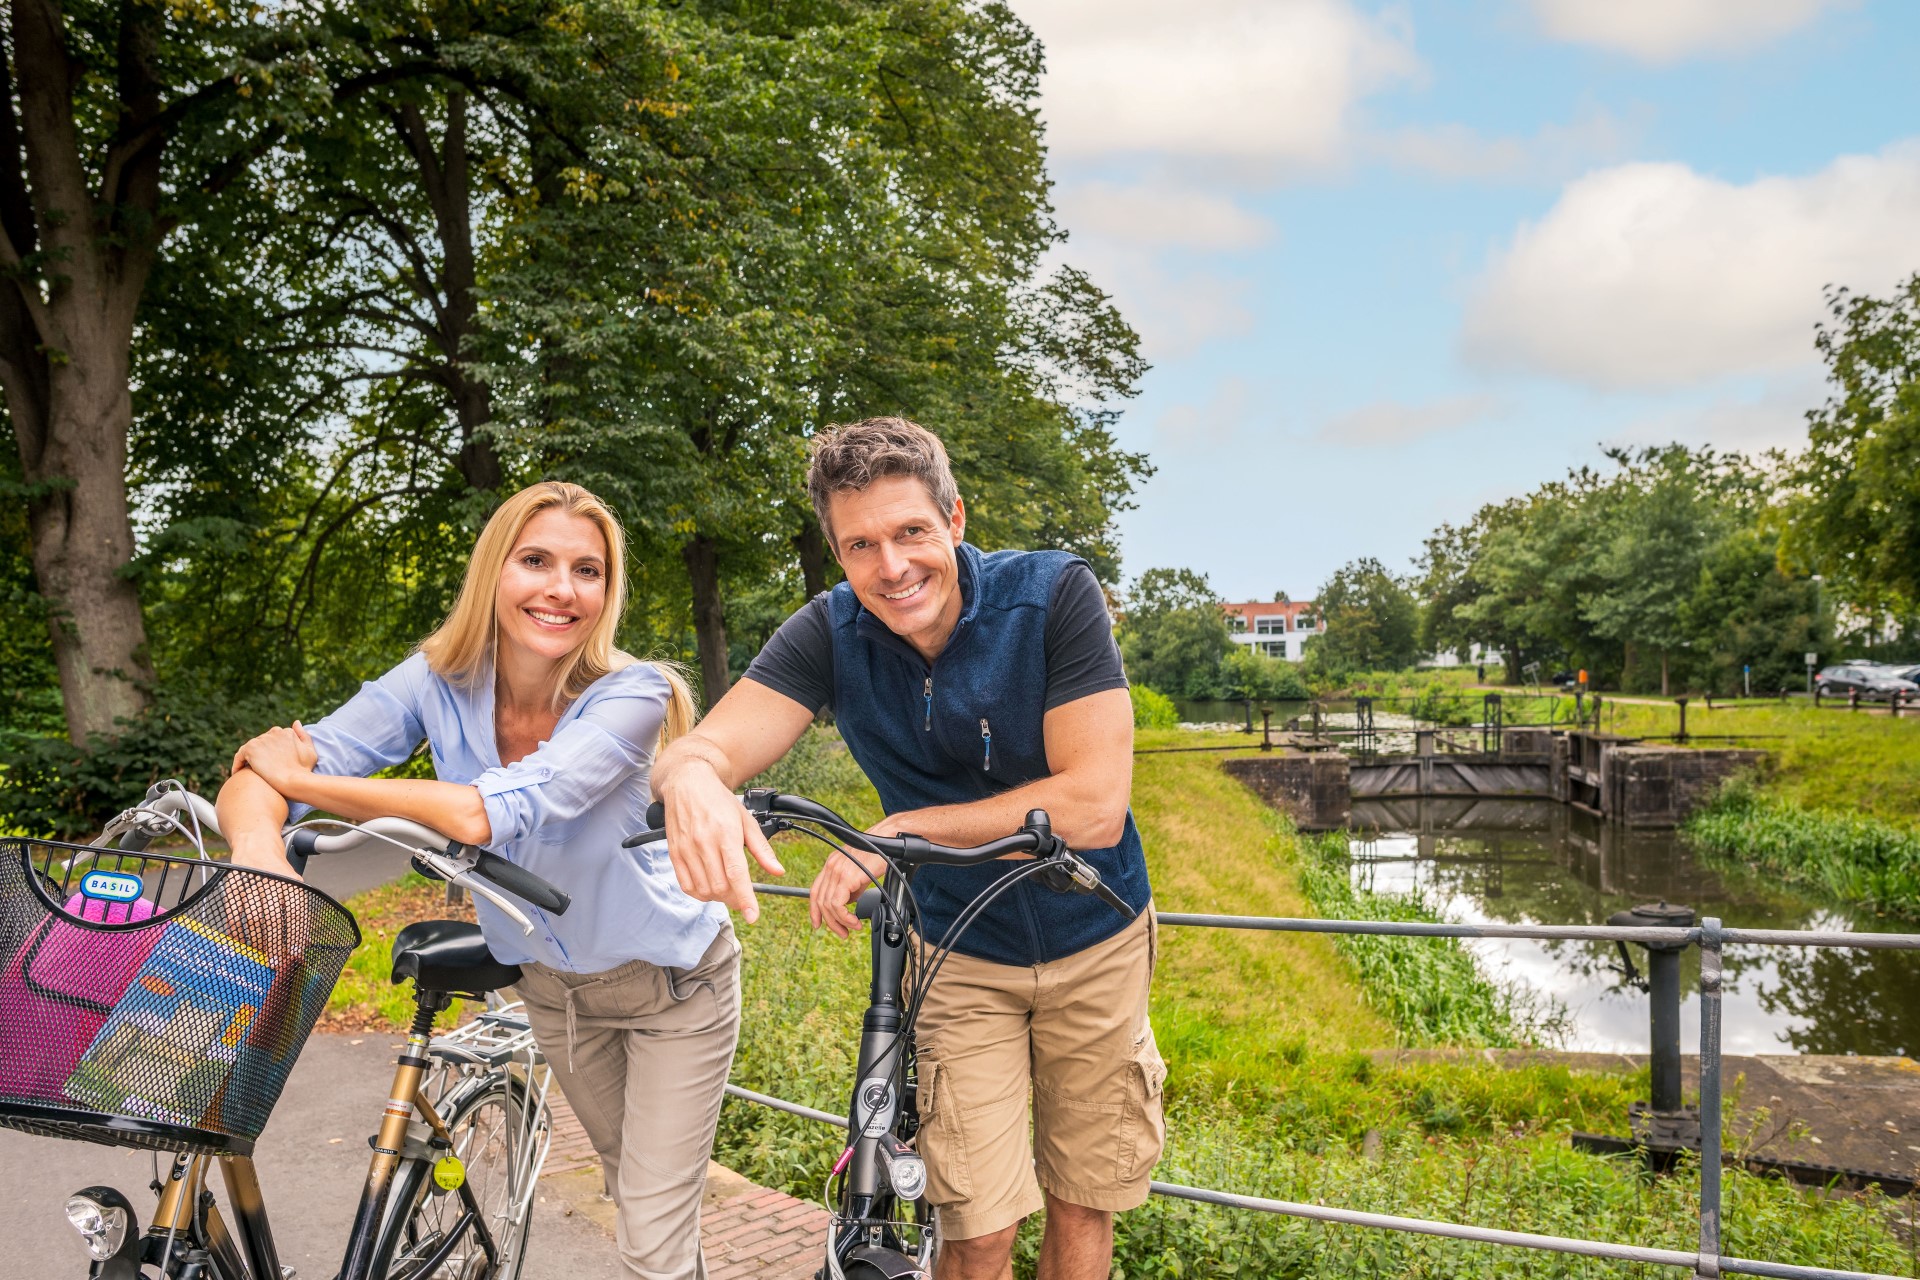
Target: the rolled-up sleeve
pixel 581 765
pixel 377 727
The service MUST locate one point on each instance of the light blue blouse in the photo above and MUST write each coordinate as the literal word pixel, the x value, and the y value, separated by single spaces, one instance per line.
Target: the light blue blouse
pixel 560 812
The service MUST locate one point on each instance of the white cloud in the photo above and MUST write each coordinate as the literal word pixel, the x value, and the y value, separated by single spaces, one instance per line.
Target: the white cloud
pixel 1393 422
pixel 1554 151
pixel 1216 80
pixel 1666 30
pixel 1159 214
pixel 1653 275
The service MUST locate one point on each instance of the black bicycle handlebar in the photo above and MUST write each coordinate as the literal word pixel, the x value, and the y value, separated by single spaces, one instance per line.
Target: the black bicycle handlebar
pixel 771 808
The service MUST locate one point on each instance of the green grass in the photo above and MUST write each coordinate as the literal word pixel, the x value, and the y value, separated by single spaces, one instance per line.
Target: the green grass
pixel 1861 860
pixel 365 996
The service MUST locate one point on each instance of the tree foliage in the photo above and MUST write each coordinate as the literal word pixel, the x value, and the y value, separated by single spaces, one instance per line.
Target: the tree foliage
pixel 1856 514
pixel 405 256
pixel 1662 571
pixel 1174 636
pixel 1373 623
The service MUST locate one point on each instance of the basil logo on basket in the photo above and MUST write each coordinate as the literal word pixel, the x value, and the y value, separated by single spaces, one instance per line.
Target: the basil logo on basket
pixel 111 886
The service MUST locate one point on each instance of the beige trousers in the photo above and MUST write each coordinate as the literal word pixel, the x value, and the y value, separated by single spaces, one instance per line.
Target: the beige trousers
pixel 642 1053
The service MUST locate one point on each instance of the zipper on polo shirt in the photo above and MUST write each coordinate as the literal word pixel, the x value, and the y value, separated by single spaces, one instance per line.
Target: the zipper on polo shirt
pixel 929 696
pixel 986 740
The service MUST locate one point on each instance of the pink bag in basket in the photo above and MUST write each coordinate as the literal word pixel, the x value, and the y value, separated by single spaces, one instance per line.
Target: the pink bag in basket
pixel 57 992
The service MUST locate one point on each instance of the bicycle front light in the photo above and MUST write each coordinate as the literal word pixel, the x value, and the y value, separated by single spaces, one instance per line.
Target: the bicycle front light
pixel 103 1218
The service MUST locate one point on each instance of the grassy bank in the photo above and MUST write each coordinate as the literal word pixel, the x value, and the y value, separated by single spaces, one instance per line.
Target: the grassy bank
pixel 1861 860
pixel 1430 989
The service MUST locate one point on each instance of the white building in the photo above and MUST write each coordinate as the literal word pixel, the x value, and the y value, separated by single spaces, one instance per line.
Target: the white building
pixel 1278 629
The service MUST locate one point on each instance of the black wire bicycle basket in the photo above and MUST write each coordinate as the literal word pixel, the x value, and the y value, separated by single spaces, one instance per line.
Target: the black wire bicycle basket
pixel 148 1000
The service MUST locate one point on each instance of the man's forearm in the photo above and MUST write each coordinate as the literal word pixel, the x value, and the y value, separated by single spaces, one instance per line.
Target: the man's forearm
pixel 1086 816
pixel 693 751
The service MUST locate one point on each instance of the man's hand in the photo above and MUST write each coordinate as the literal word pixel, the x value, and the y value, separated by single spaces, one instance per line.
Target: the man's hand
pixel 846 874
pixel 279 756
pixel 708 835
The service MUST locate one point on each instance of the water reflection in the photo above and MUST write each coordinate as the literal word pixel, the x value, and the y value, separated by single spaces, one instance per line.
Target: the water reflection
pixel 1539 862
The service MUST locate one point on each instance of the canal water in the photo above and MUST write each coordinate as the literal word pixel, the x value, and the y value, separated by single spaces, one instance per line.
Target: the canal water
pixel 1538 862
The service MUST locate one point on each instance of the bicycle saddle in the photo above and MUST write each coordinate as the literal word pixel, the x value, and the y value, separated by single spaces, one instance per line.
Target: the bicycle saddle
pixel 451 957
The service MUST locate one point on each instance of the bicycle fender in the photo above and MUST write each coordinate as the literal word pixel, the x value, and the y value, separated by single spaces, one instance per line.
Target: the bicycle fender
pixel 890 1263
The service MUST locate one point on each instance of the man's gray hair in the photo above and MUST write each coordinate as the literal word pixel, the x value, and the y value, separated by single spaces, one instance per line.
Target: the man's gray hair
pixel 849 457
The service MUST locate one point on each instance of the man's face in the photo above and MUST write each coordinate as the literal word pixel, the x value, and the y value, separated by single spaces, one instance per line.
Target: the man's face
pixel 898 552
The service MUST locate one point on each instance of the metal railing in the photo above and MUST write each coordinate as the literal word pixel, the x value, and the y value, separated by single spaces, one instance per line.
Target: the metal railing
pixel 1709 935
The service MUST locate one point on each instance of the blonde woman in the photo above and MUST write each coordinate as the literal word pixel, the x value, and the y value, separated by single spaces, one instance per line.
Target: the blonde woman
pixel 543 734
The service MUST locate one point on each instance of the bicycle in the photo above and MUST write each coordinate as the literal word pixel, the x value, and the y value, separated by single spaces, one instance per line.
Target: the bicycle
pixel 159 1001
pixel 881 1226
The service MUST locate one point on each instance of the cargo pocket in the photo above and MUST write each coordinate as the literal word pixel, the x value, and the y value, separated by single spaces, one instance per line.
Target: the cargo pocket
pixel 1143 1129
pixel 942 1141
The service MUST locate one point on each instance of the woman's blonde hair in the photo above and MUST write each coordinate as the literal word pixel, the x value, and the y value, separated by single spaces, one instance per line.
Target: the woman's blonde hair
pixel 461 651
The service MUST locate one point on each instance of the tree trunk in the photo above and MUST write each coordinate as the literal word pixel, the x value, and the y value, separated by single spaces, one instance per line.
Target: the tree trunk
pixel 709 616
pixel 811 543
pixel 446 176
pixel 1663 673
pixel 83 539
pixel 65 353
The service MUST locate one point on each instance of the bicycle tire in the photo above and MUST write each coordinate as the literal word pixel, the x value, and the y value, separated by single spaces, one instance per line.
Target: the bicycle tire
pixel 420 1216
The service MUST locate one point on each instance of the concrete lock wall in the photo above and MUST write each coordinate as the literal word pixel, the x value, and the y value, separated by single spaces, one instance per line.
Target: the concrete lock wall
pixel 1660 786
pixel 1312 788
pixel 1610 777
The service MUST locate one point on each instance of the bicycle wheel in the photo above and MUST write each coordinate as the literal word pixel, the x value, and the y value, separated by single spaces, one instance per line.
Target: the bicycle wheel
pixel 490 1137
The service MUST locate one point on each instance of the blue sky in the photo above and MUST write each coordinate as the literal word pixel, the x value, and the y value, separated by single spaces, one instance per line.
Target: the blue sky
pixel 1391 262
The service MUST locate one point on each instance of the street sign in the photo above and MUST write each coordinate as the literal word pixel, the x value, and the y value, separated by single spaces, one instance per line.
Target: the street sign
pixel 1813 659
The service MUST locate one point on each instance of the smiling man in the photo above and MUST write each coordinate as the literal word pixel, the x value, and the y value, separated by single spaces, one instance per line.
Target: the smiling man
pixel 970 688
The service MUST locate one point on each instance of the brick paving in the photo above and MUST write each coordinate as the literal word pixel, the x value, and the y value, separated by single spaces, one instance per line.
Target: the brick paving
pixel 748 1230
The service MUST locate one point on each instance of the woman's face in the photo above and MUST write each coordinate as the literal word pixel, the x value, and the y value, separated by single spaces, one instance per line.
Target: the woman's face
pixel 553 585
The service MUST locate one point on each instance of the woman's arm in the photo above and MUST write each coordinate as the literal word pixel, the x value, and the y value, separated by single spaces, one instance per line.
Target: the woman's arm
pixel 251 815
pixel 282 760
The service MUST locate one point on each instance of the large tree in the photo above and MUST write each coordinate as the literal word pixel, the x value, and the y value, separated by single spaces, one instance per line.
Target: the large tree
pixel 120 124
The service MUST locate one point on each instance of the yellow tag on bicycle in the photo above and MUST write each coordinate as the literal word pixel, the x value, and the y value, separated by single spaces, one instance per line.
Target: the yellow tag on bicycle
pixel 449 1173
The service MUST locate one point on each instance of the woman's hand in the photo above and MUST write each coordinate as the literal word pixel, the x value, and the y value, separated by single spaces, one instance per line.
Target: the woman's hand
pixel 280 757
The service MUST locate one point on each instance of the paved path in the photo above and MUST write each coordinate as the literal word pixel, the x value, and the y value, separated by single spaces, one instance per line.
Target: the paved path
pixel 312 1160
pixel 749 1231
pixel 313 1157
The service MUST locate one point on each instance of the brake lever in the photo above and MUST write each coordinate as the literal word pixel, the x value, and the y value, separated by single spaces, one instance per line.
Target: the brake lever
pixel 1086 880
pixel 456 872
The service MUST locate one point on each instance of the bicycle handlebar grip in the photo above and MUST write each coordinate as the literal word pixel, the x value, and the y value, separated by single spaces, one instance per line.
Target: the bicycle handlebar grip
pixel 521 883
pixel 301 845
pixel 656 827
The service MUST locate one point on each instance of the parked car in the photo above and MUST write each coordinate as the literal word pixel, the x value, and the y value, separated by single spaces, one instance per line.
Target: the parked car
pixel 1566 680
pixel 1873 683
pixel 1910 671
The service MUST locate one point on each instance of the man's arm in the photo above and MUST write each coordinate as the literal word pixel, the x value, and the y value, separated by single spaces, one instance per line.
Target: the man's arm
pixel 708 831
pixel 1089 744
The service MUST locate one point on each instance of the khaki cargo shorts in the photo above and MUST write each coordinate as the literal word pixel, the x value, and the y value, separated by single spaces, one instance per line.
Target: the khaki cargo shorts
pixel 1071 1035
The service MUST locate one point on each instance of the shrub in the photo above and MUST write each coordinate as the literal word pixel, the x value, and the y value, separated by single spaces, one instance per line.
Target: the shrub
pixel 1152 709
pixel 1858 859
